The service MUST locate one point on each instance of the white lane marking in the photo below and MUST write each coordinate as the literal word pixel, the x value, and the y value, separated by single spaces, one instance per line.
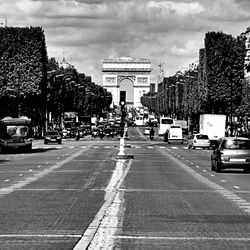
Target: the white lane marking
pixel 39 166
pixel 204 170
pixel 40 235
pixel 241 203
pixel 83 146
pixel 137 146
pixel 236 187
pixel 197 166
pixel 36 176
pixel 222 180
pixel 150 147
pixel 212 175
pixel 30 170
pixel 6 180
pixel 20 174
pixel 174 147
pixel 107 147
pixel 181 238
pixel 95 146
pixel 99 234
pixel 72 147
pixel 162 147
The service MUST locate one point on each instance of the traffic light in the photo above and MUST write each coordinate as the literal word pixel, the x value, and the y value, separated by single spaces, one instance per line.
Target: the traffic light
pixel 123 114
pixel 122 107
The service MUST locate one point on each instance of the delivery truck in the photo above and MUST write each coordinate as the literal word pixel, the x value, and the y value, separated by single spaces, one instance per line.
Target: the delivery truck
pixel 213 125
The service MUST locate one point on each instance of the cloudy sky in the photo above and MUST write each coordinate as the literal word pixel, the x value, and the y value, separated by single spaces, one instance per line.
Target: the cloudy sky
pixel 164 31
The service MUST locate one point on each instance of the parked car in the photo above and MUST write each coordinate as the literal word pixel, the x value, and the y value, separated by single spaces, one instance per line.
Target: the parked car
pixel 198 141
pixel 231 152
pixel 52 136
pixel 175 134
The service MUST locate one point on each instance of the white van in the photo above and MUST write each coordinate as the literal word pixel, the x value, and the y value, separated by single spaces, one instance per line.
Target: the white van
pixel 175 134
pixel 164 125
pixel 139 120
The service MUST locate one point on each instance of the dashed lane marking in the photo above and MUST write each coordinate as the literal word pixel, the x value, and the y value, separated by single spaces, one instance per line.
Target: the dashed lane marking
pixel 38 175
pixel 229 195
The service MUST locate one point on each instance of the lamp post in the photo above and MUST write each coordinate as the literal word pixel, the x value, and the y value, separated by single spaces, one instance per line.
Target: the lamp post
pixel 231 107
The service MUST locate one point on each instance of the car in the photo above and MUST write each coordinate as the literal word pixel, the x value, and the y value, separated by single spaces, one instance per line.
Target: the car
pixel 147 131
pixel 231 152
pixel 108 131
pixel 52 136
pixel 175 134
pixel 95 132
pixel 198 141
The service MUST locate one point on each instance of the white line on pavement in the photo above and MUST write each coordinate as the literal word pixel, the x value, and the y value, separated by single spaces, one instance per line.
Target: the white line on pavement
pixel 36 176
pixel 99 233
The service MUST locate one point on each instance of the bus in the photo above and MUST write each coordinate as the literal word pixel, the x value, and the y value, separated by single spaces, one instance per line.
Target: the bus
pixel 15 133
pixel 164 125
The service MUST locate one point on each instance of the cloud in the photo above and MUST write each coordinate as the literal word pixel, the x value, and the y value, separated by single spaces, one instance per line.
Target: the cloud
pixel 161 30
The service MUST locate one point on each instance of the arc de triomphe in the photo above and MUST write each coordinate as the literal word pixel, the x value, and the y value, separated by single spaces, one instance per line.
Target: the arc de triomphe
pixel 127 78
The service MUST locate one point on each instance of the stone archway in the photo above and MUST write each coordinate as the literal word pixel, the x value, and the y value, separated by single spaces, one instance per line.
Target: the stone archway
pixel 127 85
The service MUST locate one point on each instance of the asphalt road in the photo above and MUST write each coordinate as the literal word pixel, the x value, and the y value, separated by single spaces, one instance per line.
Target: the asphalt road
pixel 81 195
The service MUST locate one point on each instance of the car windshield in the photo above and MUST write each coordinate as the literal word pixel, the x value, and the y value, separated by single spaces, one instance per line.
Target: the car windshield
pixel 202 137
pixel 167 121
pixel 16 130
pixel 236 144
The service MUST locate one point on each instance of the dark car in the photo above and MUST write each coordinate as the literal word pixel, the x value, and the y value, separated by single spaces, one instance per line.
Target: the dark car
pixel 231 152
pixel 52 136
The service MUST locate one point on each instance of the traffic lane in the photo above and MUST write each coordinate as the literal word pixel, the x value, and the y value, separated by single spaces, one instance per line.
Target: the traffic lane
pixel 18 167
pixel 167 205
pixel 55 210
pixel 234 180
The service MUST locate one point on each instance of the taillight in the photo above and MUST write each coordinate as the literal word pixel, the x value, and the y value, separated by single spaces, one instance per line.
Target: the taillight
pixel 225 158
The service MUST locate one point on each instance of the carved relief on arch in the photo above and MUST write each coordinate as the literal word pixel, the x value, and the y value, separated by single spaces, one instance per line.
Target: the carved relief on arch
pixel 120 78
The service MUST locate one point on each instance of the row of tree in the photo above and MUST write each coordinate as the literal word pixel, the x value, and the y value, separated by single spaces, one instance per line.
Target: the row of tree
pixel 217 85
pixel 33 85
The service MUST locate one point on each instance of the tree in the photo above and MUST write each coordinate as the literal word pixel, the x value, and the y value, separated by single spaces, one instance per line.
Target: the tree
pixel 225 71
pixel 23 65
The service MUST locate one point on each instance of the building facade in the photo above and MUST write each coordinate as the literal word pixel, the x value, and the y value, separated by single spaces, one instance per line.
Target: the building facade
pixel 127 79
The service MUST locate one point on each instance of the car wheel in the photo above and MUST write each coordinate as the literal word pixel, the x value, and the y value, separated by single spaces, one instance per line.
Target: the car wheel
pixel 45 142
pixel 217 167
pixel 60 142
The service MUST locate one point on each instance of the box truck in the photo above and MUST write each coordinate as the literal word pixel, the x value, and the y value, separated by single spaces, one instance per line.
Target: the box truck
pixel 213 125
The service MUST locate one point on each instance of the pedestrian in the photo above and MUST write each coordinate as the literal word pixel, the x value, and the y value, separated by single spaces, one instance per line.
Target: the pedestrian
pixel 152 133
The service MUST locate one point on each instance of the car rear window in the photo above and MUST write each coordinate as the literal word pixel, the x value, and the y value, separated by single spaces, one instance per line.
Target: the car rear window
pixel 236 144
pixel 52 133
pixel 202 137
